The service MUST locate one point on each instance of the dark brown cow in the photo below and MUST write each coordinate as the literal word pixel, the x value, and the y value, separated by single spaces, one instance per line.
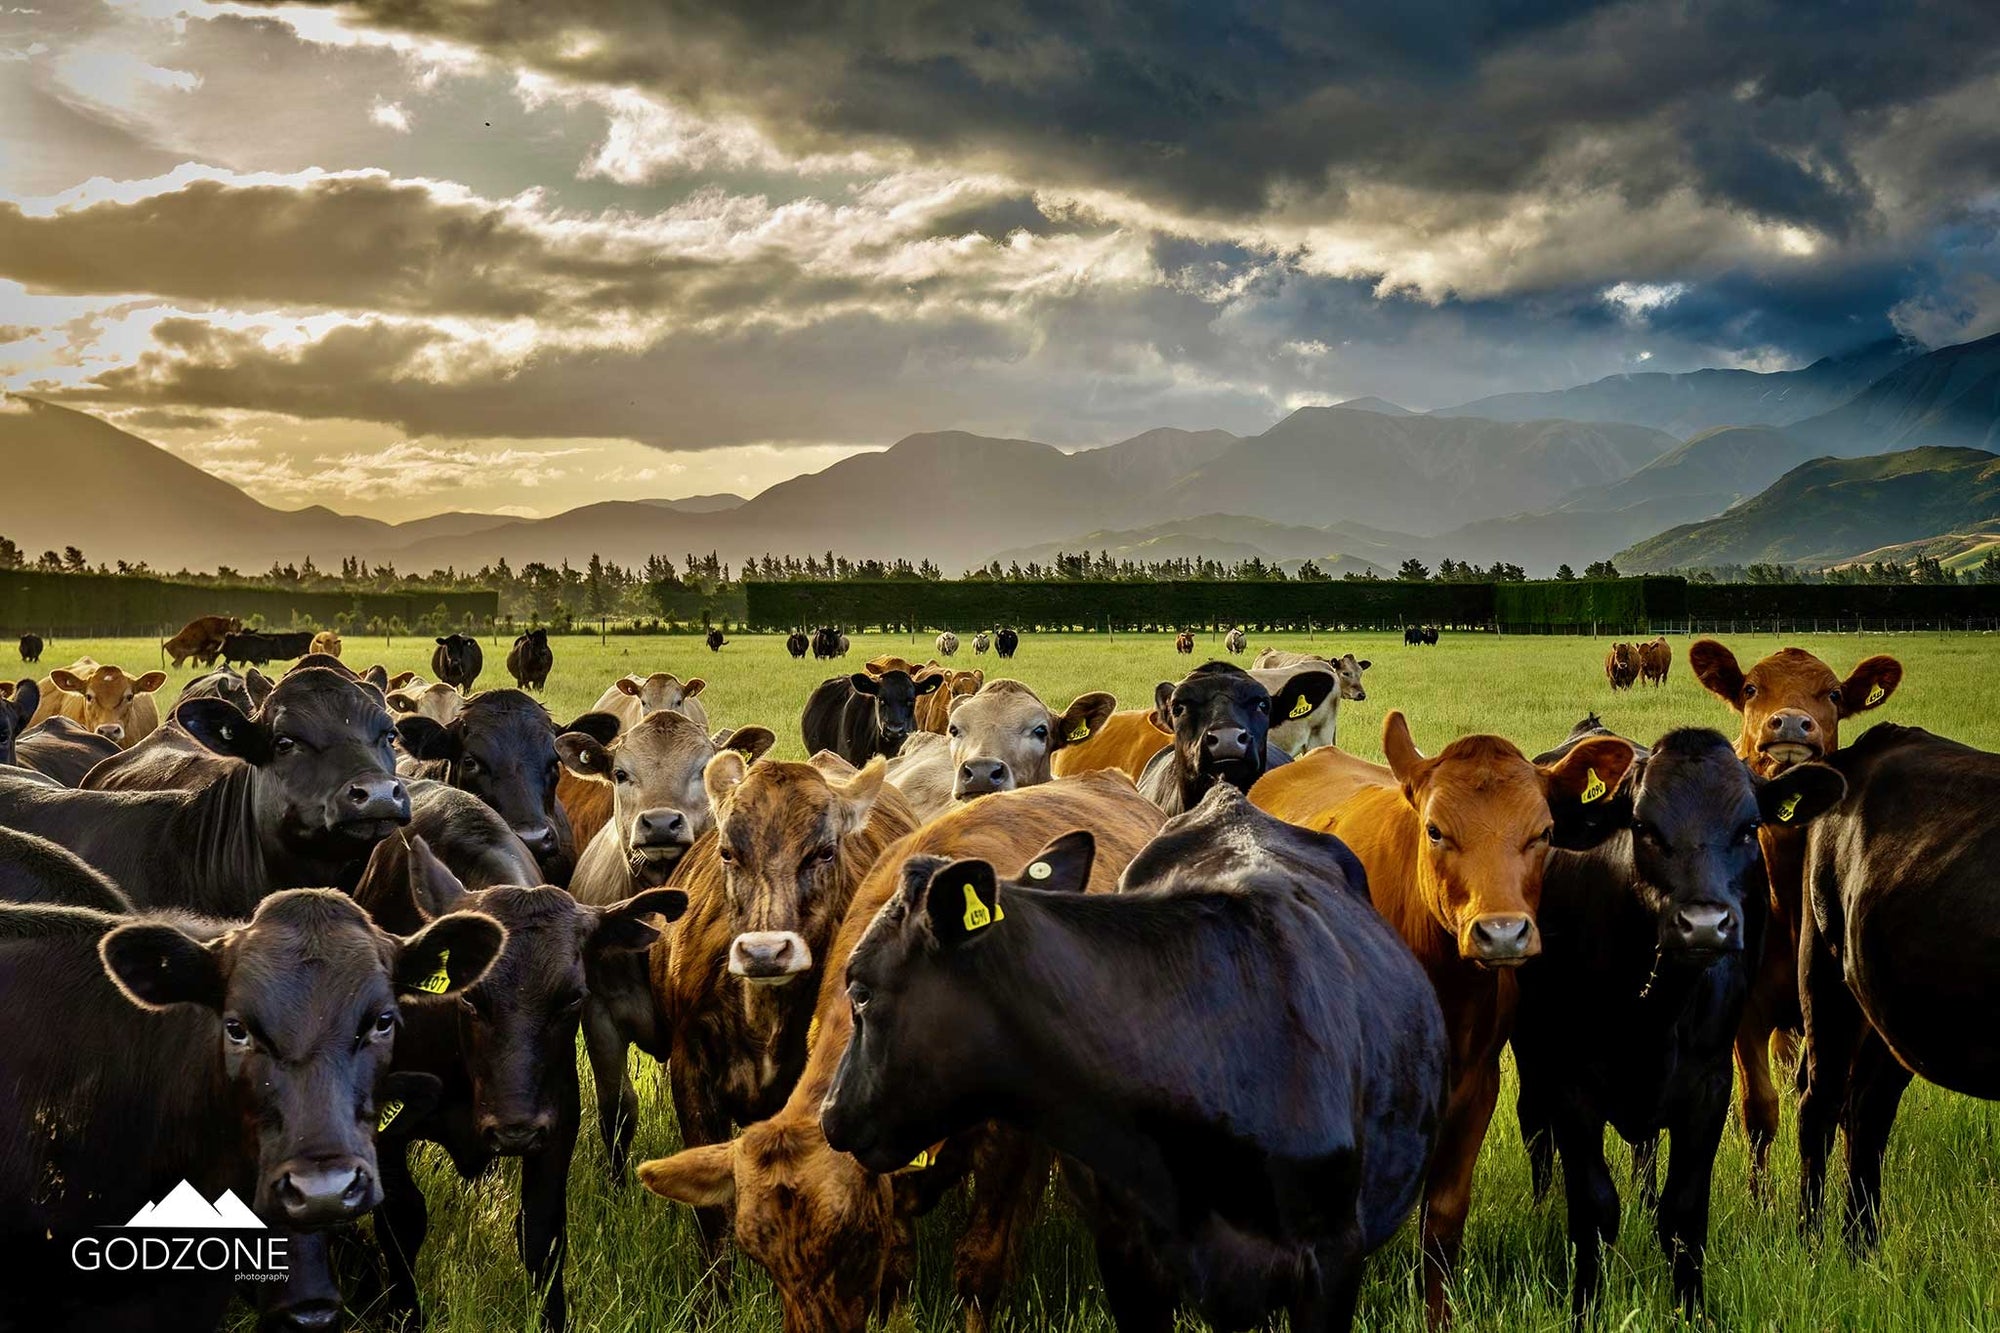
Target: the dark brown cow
pixel 1791 704
pixel 201 639
pixel 1621 666
pixel 834 1235
pixel 1655 659
pixel 1184 643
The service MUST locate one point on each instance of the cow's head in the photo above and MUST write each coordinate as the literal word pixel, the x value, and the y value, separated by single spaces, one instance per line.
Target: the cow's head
pixel 109 694
pixel 17 710
pixel 306 1004
pixel 1220 717
pixel 1486 819
pixel 895 695
pixel 455 652
pixel 247 690
pixel 659 805
pixel 782 835
pixel 1349 668
pixel 322 752
pixel 1791 702
pixel 517 1027
pixel 660 692
pixel 502 748
pixel 1004 736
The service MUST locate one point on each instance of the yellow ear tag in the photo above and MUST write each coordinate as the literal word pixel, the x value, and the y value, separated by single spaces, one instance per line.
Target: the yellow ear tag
pixel 390 1110
pixel 977 915
pixel 1299 709
pixel 1082 733
pixel 438 982
pixel 923 1161
pixel 1788 807
pixel 1593 790
pixel 1876 696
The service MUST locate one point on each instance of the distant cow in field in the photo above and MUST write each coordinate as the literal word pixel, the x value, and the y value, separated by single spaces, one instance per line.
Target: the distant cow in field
pixel 860 716
pixel 1234 642
pixel 827 642
pixel 1421 635
pixel 31 647
pixel 531 659
pixel 1220 719
pixel 96 696
pixel 797 644
pixel 201 639
pixel 1655 657
pixel 457 661
pixel 947 644
pixel 715 640
pixel 1621 666
pixel 981 642
pixel 633 697
pixel 1005 642
pixel 327 641
pixel 1184 643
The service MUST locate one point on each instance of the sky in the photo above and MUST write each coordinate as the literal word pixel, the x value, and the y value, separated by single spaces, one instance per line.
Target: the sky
pixel 404 256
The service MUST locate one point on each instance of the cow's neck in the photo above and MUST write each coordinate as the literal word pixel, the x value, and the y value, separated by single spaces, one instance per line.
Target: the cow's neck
pixel 216 836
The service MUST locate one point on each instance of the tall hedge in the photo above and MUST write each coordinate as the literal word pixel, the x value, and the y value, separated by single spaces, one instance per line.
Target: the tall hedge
pixel 76 604
pixel 1616 606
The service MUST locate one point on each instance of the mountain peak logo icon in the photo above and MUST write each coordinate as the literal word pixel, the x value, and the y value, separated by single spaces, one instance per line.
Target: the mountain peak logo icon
pixel 185 1210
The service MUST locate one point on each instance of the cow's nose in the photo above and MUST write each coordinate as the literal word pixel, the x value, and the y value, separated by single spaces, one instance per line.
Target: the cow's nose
pixel 1789 723
pixel 541 838
pixel 771 957
pixel 660 828
pixel 378 798
pixel 1503 938
pixel 515 1138
pixel 977 777
pixel 312 1317
pixel 1225 743
pixel 1703 927
pixel 318 1194
pixel 1358 695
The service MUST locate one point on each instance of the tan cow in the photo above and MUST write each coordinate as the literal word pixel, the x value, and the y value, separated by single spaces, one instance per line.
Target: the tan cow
pixel 632 697
pixel 1001 738
pixel 326 641
pixel 934 709
pixel 414 698
pixel 100 696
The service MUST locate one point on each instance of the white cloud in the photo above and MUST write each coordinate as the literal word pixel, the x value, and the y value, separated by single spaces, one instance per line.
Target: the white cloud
pixel 390 116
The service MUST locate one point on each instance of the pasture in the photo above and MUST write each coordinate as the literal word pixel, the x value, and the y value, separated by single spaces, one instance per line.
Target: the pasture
pixel 633 1257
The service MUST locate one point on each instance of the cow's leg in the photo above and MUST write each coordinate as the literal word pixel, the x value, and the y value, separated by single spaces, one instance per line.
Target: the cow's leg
pixel 703 1122
pixel 1140 1296
pixel 1008 1176
pixel 401 1223
pixel 1683 1209
pixel 1646 1170
pixel 1448 1192
pixel 1760 1097
pixel 617 1100
pixel 1876 1091
pixel 1327 1303
pixel 1834 1025
pixel 1591 1199
pixel 1536 1132
pixel 541 1228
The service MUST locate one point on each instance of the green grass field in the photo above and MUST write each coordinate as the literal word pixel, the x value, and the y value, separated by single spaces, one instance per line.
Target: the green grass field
pixel 633 1265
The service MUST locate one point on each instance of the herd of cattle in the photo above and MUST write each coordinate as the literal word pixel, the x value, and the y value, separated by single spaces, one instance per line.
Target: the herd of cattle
pixel 1248 992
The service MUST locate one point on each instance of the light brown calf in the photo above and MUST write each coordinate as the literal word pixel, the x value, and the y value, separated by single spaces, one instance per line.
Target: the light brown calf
pixel 99 696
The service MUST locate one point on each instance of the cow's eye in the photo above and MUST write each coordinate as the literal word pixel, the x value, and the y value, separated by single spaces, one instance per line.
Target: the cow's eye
pixel 724 855
pixel 1834 697
pixel 858 995
pixel 1263 705
pixel 620 775
pixel 232 1028
pixel 468 765
pixel 1434 833
pixel 574 1001
pixel 1180 709
pixel 820 856
pixel 951 730
pixel 1040 733
pixel 1749 691
pixel 385 1023
pixel 284 745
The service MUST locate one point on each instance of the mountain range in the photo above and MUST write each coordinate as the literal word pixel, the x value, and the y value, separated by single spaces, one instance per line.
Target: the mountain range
pixel 1668 468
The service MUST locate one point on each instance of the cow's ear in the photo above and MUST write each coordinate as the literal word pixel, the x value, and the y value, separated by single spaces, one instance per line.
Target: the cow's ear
pixel 927 684
pixel 401 678
pixel 1064 865
pixel 864 683
pixel 854 798
pixel 582 755
pixel 720 778
pixel 1305 691
pixel 1870 685
pixel 220 726
pixel 623 925
pixel 962 902
pixel 1364 664
pixel 68 681
pixel 600 727
pixel 703 1177
pixel 693 687
pixel 156 966
pixel 442 640
pixel 752 742
pixel 149 682
pixel 449 955
pixel 1163 706
pixel 378 676
pixel 1583 790
pixel 628 685
pixel 1799 795
pixel 1406 762
pixel 1715 667
pixel 435 889
pixel 1084 718
pixel 424 738
pixel 27 698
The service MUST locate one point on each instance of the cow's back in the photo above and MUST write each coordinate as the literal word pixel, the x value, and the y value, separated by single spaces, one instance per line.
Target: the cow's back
pixel 1311 789
pixel 1126 742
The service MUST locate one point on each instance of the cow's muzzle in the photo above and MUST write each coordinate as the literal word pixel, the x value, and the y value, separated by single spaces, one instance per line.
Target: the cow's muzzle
pixel 769 957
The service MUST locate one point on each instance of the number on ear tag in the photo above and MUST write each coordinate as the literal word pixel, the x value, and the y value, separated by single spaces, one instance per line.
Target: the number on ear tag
pixel 390 1110
pixel 1788 807
pixel 978 916
pixel 1594 789
pixel 1081 733
pixel 1877 695
pixel 438 982
pixel 1299 709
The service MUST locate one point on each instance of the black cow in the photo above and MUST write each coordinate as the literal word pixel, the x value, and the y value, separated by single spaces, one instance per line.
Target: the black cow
pixel 502 748
pixel 315 791
pixel 63 749
pixel 797 644
pixel 505 1057
pixel 827 642
pixel 1220 719
pixel 262 646
pixel 1005 642
pixel 35 870
pixel 715 641
pixel 238 1056
pixel 16 711
pixel 531 659
pixel 247 690
pixel 860 716
pixel 1628 1017
pixel 468 835
pixel 457 661
pixel 31 647
pixel 1896 960
pixel 1244 1161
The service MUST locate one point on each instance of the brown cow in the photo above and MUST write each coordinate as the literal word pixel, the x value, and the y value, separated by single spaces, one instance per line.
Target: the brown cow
pixel 1621 665
pixel 1791 704
pixel 99 696
pixel 1184 643
pixel 201 639
pixel 1655 657
pixel 934 709
pixel 835 1237
pixel 1127 741
pixel 1455 848
pixel 734 981
pixel 1000 738
pixel 632 697
pixel 327 641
